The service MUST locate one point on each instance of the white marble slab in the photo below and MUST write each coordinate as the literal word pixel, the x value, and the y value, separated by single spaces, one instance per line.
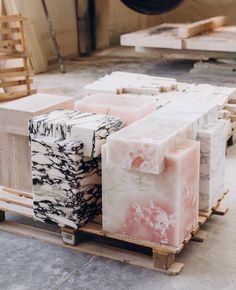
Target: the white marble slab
pixel 212 168
pixel 142 146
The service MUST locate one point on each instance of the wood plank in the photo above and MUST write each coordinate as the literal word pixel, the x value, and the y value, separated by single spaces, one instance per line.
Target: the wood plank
pixel 163 260
pixel 8 84
pixel 231 107
pixel 10 42
pixel 16 209
pixel 199 27
pixel 204 213
pixel 6 49
pixel 10 30
pixel 16 192
pixel 11 18
pixel 15 55
pixel 9 70
pixel 14 199
pixel 220 210
pixel 38 59
pixel 200 236
pixel 202 220
pixel 97 230
pixel 89 247
pixel 13 74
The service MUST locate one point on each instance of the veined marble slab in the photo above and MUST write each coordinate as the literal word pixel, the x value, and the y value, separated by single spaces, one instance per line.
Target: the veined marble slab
pixel 199 114
pixel 142 146
pixel 89 128
pixel 66 185
pixel 124 82
pixel 160 208
pixel 212 168
pixel 127 107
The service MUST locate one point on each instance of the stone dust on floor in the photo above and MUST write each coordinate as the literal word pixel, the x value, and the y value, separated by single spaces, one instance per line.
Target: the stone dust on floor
pixel 33 265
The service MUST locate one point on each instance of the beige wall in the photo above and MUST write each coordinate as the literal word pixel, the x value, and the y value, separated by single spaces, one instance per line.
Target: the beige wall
pixel 113 19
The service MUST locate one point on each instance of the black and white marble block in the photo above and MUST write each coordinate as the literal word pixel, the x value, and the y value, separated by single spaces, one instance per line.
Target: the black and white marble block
pixel 66 185
pixel 90 128
pixel 66 165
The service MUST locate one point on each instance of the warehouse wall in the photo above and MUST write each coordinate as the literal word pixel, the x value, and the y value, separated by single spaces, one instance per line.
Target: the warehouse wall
pixel 193 10
pixel 112 19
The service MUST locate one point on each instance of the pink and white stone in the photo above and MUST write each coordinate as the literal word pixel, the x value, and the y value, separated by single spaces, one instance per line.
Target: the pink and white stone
pixel 127 107
pixel 142 146
pixel 158 208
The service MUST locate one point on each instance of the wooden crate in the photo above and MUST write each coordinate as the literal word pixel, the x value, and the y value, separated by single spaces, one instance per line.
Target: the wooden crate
pixel 15 79
pixel 93 240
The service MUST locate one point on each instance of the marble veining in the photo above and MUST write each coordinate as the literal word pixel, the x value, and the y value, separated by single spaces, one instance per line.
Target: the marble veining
pixel 142 146
pixel 90 128
pixel 66 185
pixel 161 208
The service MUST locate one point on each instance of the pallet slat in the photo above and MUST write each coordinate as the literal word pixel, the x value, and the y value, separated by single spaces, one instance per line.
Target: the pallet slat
pixel 8 84
pixel 14 199
pixel 11 18
pixel 15 55
pixel 10 30
pixel 16 192
pixel 199 27
pixel 97 230
pixel 16 209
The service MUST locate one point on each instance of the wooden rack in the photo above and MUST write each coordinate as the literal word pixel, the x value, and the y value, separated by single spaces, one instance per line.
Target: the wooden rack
pixel 15 81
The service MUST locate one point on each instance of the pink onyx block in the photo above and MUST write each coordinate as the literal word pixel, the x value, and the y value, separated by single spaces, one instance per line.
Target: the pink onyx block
pixel 142 146
pixel 129 108
pixel 158 208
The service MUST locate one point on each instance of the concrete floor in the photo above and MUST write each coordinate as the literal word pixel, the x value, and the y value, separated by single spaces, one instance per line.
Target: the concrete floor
pixel 32 265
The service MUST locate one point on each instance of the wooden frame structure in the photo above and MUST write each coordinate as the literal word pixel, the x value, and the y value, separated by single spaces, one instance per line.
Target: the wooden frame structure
pixel 15 81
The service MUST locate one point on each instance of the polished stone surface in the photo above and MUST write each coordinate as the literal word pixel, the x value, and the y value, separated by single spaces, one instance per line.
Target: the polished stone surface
pixel 28 264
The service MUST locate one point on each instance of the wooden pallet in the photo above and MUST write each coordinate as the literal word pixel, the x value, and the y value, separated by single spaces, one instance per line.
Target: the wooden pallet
pixel 14 76
pixel 217 209
pixel 93 240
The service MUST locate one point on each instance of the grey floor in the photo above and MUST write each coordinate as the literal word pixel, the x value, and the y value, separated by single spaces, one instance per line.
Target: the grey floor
pixel 32 265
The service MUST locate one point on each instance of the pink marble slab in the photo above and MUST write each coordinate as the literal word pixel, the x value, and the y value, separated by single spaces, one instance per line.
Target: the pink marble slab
pixel 142 146
pixel 158 208
pixel 129 108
